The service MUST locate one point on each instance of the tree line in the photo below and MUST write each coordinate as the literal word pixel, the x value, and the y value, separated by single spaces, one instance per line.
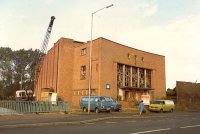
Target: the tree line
pixel 17 70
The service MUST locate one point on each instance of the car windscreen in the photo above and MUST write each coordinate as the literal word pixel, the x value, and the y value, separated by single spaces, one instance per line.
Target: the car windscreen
pixel 157 102
pixel 108 99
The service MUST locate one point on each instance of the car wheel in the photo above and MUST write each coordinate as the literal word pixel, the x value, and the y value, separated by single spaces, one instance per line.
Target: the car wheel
pixel 109 111
pixel 96 110
pixel 84 109
pixel 172 110
pixel 161 110
pixel 117 110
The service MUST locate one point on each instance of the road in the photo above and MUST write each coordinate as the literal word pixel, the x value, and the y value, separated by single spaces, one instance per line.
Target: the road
pixel 156 123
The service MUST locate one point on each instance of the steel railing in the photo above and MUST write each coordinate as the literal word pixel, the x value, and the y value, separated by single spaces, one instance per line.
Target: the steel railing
pixel 24 107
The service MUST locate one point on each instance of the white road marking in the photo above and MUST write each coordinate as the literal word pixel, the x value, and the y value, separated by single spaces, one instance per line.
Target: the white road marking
pixel 150 131
pixel 190 126
pixel 110 122
pixel 89 123
pixel 194 118
pixel 130 121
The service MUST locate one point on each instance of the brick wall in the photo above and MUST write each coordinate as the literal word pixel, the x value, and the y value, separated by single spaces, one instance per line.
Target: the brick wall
pixel 61 68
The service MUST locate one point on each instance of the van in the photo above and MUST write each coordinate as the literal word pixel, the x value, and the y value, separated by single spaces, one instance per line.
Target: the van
pixel 115 106
pixel 97 104
pixel 162 106
pixel 49 96
pixel 24 95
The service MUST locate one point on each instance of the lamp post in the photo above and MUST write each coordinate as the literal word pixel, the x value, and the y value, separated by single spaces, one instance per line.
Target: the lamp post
pixel 90 65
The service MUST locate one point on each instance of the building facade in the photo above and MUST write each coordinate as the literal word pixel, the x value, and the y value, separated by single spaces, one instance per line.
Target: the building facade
pixel 188 95
pixel 117 70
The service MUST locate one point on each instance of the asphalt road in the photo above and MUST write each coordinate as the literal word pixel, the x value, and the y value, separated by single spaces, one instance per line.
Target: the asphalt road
pixel 156 123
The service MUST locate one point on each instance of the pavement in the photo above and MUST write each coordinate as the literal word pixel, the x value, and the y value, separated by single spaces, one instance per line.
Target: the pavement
pixel 47 119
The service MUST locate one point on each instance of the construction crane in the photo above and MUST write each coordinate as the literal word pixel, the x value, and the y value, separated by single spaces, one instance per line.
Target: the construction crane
pixel 47 36
pixel 22 95
pixel 43 49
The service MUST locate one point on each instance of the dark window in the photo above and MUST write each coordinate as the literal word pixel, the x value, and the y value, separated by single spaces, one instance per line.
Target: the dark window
pixel 97 67
pixel 83 51
pixel 83 72
pixel 127 75
pixel 148 78
pixel 119 75
pixel 134 77
pixel 141 78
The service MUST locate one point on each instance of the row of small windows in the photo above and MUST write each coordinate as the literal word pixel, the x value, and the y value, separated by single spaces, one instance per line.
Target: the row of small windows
pixel 83 92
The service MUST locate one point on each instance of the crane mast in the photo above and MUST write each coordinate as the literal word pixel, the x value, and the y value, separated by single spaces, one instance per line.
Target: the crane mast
pixel 47 36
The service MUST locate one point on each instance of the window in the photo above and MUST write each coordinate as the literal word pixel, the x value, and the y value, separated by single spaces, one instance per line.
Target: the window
pixel 127 75
pixel 134 77
pixel 148 78
pixel 75 92
pixel 83 72
pixel 82 92
pixel 141 78
pixel 86 92
pixel 83 51
pixel 119 75
pixel 92 91
pixel 97 67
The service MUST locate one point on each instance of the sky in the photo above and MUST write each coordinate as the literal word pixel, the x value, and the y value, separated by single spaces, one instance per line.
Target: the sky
pixel 166 27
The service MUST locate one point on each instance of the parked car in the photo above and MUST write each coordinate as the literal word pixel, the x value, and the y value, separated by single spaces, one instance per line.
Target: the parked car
pixel 24 95
pixel 115 106
pixel 162 106
pixel 97 104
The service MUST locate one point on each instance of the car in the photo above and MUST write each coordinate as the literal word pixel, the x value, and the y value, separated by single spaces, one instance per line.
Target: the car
pixel 97 104
pixel 162 106
pixel 115 106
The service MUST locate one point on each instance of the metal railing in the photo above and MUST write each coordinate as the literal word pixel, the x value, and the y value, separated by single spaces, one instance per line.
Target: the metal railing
pixel 25 107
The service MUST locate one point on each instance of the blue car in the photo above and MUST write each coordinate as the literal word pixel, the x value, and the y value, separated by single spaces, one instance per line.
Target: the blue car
pixel 115 106
pixel 97 104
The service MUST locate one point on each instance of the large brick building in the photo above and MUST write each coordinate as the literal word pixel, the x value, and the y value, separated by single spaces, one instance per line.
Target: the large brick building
pixel 118 71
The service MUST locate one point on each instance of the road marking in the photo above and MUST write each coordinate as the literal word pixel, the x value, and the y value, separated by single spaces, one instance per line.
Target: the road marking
pixel 89 123
pixel 150 131
pixel 130 121
pixel 194 118
pixel 148 120
pixel 191 126
pixel 110 122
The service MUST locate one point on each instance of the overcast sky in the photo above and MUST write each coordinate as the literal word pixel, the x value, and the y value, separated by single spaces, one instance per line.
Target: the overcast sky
pixel 166 27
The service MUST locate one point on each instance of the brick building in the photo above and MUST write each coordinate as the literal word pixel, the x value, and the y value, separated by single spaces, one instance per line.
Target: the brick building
pixel 118 71
pixel 188 95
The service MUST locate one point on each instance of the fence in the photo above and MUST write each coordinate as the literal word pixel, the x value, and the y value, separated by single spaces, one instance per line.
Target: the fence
pixel 25 107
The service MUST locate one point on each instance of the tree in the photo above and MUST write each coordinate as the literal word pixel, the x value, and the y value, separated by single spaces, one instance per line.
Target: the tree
pixel 171 92
pixel 24 63
pixel 17 70
pixel 6 71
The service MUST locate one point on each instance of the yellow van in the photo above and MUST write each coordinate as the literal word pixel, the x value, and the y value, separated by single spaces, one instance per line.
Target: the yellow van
pixel 162 106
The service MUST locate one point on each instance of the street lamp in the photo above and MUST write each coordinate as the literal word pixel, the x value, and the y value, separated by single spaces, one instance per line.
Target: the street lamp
pixel 90 66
